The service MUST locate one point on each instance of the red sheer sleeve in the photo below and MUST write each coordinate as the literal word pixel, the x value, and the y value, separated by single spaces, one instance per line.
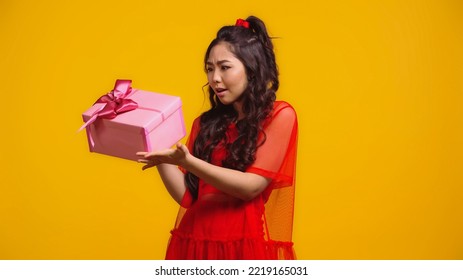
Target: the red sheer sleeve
pixel 194 132
pixel 187 198
pixel 276 158
pixel 191 139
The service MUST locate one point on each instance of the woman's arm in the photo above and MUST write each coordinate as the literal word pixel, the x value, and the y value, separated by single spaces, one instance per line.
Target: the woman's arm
pixel 174 181
pixel 236 183
pixel 239 184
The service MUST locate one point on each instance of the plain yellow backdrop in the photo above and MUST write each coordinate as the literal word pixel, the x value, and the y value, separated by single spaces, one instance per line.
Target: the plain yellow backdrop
pixel 377 85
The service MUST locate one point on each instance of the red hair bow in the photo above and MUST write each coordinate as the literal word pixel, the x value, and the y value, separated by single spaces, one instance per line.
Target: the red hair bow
pixel 242 22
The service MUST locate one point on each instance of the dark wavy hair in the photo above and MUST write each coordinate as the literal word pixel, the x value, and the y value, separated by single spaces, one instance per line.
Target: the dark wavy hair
pixel 254 48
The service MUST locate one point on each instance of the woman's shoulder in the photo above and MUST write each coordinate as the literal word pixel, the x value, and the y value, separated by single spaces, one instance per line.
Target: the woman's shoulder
pixel 196 125
pixel 281 107
pixel 197 120
pixel 283 115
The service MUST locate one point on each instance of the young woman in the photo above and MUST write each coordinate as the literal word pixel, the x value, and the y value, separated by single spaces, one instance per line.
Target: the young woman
pixel 235 177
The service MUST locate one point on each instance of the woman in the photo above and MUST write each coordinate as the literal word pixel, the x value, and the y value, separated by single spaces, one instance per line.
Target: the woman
pixel 235 181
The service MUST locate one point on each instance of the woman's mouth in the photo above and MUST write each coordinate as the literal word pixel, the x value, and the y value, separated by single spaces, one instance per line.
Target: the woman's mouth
pixel 220 92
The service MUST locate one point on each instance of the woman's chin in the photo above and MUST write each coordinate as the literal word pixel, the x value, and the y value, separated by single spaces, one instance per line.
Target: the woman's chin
pixel 224 100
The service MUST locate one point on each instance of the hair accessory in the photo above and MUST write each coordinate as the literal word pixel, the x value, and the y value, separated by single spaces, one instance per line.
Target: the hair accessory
pixel 242 22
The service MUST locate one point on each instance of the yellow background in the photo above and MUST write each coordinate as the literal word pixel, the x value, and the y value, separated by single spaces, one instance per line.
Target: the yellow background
pixel 377 85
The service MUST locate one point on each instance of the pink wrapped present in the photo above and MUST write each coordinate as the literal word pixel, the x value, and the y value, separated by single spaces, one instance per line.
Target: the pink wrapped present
pixel 126 121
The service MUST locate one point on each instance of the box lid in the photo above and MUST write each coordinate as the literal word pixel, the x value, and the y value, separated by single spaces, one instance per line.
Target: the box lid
pixel 153 109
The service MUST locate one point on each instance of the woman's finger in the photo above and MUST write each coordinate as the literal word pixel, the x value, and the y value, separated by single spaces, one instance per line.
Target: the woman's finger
pixel 182 148
pixel 147 166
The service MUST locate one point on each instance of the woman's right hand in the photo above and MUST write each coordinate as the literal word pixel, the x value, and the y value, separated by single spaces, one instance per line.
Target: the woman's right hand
pixel 176 156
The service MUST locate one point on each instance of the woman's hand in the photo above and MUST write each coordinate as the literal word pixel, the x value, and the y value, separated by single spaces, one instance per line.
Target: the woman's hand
pixel 175 156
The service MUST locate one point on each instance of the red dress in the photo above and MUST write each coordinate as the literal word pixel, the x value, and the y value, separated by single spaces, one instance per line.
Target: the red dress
pixel 219 226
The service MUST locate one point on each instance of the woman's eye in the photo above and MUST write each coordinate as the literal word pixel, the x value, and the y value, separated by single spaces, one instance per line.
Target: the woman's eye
pixel 224 67
pixel 209 69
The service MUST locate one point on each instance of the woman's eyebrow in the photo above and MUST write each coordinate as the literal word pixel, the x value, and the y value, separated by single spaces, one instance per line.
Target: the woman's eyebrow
pixel 218 62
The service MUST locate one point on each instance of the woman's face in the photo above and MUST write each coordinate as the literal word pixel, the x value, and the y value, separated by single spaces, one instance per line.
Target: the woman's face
pixel 226 75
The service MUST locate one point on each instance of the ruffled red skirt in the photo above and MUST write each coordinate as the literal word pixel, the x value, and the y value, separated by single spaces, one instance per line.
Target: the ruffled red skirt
pixel 224 229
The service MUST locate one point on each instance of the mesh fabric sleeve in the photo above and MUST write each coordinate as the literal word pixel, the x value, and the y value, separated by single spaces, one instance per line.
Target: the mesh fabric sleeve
pixel 187 198
pixel 276 158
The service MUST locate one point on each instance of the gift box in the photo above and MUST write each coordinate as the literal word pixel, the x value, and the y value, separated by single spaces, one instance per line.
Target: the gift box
pixel 126 121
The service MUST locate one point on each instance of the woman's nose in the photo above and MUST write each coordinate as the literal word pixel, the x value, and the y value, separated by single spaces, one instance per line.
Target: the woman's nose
pixel 216 78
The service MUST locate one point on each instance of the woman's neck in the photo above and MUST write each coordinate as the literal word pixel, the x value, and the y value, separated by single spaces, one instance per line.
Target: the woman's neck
pixel 238 106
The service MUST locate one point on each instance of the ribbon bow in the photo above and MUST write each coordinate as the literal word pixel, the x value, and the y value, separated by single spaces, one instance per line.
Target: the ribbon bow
pixel 242 22
pixel 114 103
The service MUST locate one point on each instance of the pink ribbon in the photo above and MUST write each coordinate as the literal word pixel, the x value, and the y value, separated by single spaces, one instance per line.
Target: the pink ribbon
pixel 113 103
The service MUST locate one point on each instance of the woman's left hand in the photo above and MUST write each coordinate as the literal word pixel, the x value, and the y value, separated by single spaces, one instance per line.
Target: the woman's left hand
pixel 175 156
